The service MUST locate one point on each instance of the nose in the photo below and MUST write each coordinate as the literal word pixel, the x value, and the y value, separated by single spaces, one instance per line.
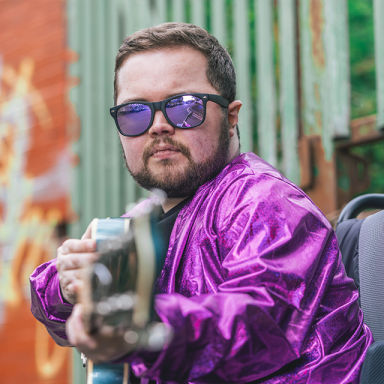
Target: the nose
pixel 160 126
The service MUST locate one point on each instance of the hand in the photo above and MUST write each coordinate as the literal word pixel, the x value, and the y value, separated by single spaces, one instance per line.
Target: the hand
pixel 108 344
pixel 72 256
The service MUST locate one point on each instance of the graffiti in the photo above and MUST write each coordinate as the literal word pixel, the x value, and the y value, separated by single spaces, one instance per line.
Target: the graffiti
pixel 33 200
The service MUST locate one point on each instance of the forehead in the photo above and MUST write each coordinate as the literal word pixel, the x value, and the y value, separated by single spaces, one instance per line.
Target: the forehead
pixel 157 74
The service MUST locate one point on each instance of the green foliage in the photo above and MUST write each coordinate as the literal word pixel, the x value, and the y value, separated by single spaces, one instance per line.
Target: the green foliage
pixel 363 83
pixel 374 153
pixel 362 57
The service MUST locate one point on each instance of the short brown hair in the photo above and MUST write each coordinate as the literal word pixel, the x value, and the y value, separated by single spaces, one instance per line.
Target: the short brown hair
pixel 220 70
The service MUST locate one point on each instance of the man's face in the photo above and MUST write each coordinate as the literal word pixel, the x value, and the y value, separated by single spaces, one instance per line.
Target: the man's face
pixel 175 160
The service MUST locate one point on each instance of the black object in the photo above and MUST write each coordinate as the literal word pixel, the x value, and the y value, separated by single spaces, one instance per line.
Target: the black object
pixel 360 204
pixel 370 255
pixel 135 118
pixel 373 367
pixel 348 233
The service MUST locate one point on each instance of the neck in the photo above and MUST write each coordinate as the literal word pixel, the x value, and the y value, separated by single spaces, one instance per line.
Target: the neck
pixel 168 204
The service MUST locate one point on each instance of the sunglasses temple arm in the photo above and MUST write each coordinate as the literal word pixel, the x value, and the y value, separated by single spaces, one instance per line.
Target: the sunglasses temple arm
pixel 219 100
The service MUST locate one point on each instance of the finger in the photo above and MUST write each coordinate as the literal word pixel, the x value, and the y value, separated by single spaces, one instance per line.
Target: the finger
pixel 75 260
pixel 78 246
pixel 76 331
pixel 78 286
pixel 69 294
pixel 70 276
pixel 88 232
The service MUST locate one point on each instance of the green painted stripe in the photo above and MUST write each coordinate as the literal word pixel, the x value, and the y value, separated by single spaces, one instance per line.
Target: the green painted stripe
pixel 324 54
pixel 378 6
pixel 310 104
pixel 79 372
pixel 266 100
pixel 198 14
pixel 336 107
pixel 114 147
pixel 160 12
pixel 74 95
pixel 101 94
pixel 242 64
pixel 145 15
pixel 178 7
pixel 87 120
pixel 218 21
pixel 288 90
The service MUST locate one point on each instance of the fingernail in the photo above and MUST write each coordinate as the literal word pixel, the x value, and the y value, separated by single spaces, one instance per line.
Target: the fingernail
pixel 64 250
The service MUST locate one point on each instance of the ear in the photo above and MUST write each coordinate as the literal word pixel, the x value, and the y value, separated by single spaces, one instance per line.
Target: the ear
pixel 233 116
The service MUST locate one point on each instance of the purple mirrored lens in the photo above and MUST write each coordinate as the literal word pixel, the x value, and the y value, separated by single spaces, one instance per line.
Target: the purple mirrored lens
pixel 134 119
pixel 185 111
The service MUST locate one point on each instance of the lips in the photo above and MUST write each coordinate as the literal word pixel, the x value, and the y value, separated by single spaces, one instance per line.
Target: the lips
pixel 163 148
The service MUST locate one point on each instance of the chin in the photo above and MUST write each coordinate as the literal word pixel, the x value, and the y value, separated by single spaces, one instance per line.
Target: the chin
pixel 166 166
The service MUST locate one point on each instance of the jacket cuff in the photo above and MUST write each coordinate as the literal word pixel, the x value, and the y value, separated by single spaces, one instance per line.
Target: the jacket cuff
pixel 46 294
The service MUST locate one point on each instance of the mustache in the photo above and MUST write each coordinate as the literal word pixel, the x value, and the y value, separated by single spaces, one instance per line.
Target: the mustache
pixel 165 140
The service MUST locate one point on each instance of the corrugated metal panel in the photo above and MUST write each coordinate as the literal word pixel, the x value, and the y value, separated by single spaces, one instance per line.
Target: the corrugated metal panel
pixel 378 7
pixel 266 82
pixel 325 70
pixel 288 90
pixel 97 27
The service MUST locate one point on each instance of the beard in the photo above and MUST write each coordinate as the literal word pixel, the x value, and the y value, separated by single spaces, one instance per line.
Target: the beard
pixel 176 182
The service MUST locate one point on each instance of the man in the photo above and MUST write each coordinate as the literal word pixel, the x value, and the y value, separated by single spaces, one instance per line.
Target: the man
pixel 253 283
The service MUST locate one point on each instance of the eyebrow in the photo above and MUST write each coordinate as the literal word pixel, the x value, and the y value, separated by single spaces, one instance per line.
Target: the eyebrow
pixel 131 100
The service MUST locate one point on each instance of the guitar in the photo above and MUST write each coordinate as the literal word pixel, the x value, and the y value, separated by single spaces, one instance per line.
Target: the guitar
pixel 119 289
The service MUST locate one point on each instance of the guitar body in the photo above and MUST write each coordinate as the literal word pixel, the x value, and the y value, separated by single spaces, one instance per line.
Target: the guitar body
pixel 107 373
pixel 119 289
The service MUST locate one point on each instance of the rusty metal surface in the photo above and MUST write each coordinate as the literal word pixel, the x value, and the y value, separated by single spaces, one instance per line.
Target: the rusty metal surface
pixel 363 131
pixel 306 162
pixel 323 189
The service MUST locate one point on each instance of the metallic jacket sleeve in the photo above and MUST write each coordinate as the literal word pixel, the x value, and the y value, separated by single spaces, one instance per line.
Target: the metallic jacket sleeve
pixel 267 292
pixel 47 303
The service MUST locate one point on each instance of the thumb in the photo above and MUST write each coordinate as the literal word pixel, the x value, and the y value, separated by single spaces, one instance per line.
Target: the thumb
pixel 88 232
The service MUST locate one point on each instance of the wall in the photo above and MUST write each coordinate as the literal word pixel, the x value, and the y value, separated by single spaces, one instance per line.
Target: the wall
pixel 35 162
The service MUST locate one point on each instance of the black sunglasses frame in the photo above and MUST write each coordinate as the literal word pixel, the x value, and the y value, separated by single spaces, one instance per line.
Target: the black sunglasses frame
pixel 160 105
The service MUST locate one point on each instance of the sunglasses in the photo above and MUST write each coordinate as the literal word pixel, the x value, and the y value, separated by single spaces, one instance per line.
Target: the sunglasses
pixel 181 111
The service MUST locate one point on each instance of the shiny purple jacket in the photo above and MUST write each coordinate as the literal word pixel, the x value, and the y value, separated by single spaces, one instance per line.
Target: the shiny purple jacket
pixel 253 286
